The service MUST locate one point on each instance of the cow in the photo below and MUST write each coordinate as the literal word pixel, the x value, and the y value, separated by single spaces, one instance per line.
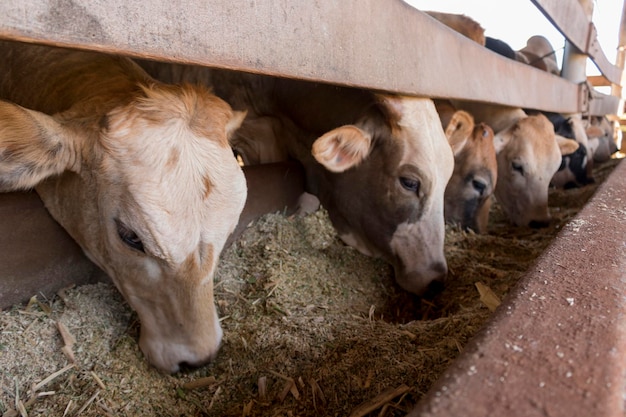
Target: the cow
pixel 601 148
pixel 539 53
pixel 462 24
pixel 141 175
pixel 527 154
pixel 379 163
pixel 500 47
pixel 468 193
pixel 563 126
pixel 572 172
pixel 576 169
pixel 601 140
pixel 271 187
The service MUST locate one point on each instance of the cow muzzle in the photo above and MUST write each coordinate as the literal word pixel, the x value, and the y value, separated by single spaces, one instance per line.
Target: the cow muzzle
pixel 172 355
pixel 426 281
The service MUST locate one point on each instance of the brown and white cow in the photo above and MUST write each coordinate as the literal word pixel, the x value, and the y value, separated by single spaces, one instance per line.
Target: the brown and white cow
pixel 601 138
pixel 378 163
pixel 537 53
pixel 462 24
pixel 140 174
pixel 468 194
pixel 528 155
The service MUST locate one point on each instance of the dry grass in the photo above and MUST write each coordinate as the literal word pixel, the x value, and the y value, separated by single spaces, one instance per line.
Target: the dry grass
pixel 311 328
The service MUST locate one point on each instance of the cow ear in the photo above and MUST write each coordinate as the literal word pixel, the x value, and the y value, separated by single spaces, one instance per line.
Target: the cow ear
pixel 501 139
pixel 235 122
pixel 459 129
pixel 33 146
pixel 342 148
pixel 567 146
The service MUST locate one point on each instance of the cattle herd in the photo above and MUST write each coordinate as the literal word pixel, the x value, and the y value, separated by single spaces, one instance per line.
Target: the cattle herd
pixel 135 160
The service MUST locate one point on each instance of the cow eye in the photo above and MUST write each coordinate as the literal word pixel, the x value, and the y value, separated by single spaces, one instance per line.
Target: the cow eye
pixel 518 167
pixel 410 184
pixel 129 237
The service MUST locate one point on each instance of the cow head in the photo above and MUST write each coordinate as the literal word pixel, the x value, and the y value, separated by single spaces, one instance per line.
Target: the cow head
pixel 387 179
pixel 528 156
pixel 151 192
pixel 468 194
pixel 539 53
pixel 574 161
pixel 601 137
pixel 576 167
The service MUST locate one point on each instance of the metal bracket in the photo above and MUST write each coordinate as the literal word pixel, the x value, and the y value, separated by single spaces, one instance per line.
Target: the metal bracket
pixel 593 47
pixel 584 97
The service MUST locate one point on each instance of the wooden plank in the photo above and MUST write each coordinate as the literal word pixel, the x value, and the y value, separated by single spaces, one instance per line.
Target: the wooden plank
pixel 602 104
pixel 368 43
pixel 599 81
pixel 616 90
pixel 570 19
pixel 612 72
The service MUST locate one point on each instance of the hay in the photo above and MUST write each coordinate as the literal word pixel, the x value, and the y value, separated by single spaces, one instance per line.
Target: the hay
pixel 311 328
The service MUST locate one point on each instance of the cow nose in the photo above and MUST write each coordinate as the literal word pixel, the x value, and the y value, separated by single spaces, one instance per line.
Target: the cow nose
pixel 435 287
pixel 426 282
pixel 479 185
pixel 173 356
pixel 539 224
pixel 442 270
pixel 186 366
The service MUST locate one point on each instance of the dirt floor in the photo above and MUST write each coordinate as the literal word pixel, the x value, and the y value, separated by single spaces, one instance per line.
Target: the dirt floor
pixel 312 328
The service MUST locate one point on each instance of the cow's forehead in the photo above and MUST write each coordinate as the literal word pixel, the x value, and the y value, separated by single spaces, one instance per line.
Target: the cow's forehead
pixel 181 207
pixel 533 140
pixel 425 144
pixel 479 147
pixel 172 179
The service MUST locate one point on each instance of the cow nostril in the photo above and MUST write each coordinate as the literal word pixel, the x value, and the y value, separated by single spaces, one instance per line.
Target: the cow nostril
pixel 433 289
pixel 442 269
pixel 186 367
pixel 539 224
pixel 425 281
pixel 479 185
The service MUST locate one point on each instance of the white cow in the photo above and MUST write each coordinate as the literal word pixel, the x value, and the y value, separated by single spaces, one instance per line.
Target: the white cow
pixel 139 173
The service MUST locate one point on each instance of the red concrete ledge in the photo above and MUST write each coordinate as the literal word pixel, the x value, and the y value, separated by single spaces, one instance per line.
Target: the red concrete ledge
pixel 557 345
